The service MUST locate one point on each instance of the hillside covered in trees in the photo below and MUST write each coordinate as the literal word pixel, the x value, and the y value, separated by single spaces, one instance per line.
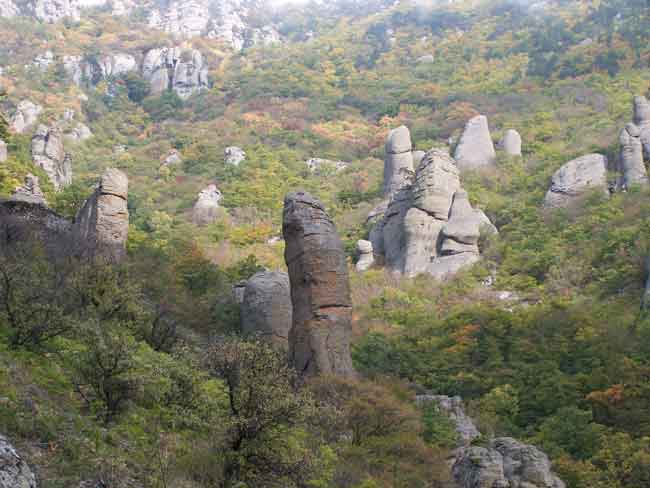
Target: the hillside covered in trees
pixel 146 369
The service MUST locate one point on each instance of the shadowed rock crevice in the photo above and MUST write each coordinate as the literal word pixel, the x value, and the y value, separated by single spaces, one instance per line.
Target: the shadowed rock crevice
pixel 319 341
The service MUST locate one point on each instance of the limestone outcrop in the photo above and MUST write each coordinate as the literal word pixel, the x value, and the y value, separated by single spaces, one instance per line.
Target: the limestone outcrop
pixel 181 70
pixel 421 230
pixel 266 308
pixel 25 116
pixel 206 208
pixel 511 143
pixel 3 151
pixel 8 9
pixel 475 148
pixel 366 257
pixel 576 179
pixel 319 342
pixel 234 155
pixel 632 162
pixel 49 155
pixel 30 192
pixel 642 121
pixel 101 227
pixel 14 470
pixel 398 165
pixel 505 462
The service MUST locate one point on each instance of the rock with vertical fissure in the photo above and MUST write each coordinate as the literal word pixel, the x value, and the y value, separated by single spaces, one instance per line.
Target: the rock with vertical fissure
pixel 319 341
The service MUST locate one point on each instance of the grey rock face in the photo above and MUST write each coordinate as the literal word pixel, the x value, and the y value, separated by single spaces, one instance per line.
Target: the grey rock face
pixel 206 208
pixel 319 342
pixel 475 148
pixel 461 233
pixel 173 158
pixel 436 181
pixel 101 227
pixel 51 11
pixel 30 191
pixel 454 409
pixel 234 155
pixel 398 165
pixel 79 133
pixel 14 471
pixel 3 151
pixel 446 267
pixel 418 156
pixel 480 467
pixel 48 154
pixel 511 143
pixel 25 116
pixel 182 71
pixel 266 308
pixel 43 61
pixel 366 256
pixel 317 165
pixel 577 178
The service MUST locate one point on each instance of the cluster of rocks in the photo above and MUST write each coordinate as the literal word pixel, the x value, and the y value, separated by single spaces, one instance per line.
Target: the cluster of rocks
pixel 14 470
pixel 501 463
pixel 92 70
pixel 589 174
pixel 234 155
pixel 99 230
pixel 426 223
pixel 25 116
pixel 182 70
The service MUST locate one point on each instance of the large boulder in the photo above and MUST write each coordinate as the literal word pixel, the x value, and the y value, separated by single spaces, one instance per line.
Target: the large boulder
pixel 181 70
pixel 436 180
pixel 319 342
pixel 101 227
pixel 577 178
pixel 30 192
pixel 49 155
pixel 25 116
pixel 480 467
pixel 14 471
pixel 511 143
pixel 206 208
pixel 461 233
pixel 398 165
pixel 266 308
pixel 475 148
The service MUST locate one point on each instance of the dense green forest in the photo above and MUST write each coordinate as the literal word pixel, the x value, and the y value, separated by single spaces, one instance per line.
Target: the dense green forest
pixel 124 374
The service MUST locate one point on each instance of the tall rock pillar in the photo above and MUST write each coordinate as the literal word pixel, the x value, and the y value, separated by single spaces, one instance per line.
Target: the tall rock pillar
pixel 319 340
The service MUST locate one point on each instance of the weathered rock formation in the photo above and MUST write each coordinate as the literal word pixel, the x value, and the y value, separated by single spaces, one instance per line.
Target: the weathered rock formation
pixel 317 165
pixel 101 227
pixel 8 9
pixel 93 70
pixel 319 342
pixel 266 308
pixel 182 71
pixel 49 155
pixel 511 143
pixel 3 151
pixel 408 233
pixel 398 165
pixel 172 158
pixel 206 208
pixel 234 155
pixel 632 162
pixel 14 471
pixel 475 148
pixel 503 463
pixel 25 116
pixel 576 179
pixel 30 191
pixel 366 256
